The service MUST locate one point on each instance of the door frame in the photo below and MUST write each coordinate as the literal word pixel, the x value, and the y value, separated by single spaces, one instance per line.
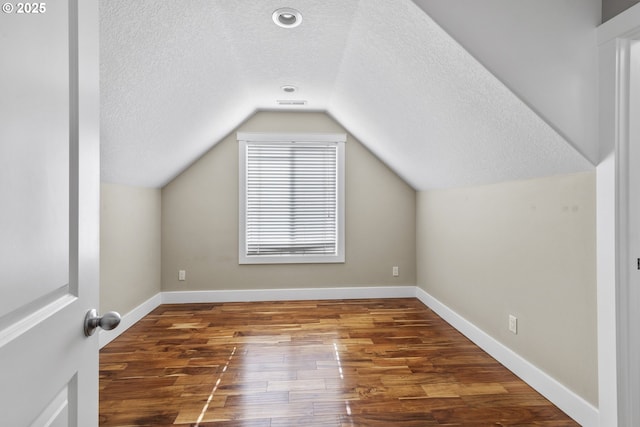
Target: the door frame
pixel 617 311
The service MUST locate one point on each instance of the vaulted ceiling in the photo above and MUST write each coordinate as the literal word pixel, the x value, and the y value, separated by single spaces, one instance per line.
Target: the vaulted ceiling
pixel 176 77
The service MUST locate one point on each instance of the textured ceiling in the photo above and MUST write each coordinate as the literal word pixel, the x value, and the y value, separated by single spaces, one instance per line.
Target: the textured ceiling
pixel 543 50
pixel 176 77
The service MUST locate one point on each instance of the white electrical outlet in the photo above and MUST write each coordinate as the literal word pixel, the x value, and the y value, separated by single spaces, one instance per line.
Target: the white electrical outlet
pixel 182 275
pixel 395 271
pixel 513 324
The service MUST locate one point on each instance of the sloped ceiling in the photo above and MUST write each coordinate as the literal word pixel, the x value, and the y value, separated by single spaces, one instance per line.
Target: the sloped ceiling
pixel 542 50
pixel 176 77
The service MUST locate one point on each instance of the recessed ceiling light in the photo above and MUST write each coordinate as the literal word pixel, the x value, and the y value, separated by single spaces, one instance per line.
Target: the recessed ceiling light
pixel 289 88
pixel 287 17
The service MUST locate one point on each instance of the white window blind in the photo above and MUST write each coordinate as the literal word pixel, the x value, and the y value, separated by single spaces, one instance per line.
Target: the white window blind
pixel 291 199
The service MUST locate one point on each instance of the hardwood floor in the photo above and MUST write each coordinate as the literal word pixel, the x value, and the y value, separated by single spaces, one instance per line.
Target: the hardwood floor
pixel 340 363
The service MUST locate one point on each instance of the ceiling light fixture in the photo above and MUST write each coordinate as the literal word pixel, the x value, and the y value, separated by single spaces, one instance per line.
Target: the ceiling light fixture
pixel 287 17
pixel 289 88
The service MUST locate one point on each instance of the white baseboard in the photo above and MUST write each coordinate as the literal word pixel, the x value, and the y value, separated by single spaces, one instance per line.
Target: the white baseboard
pixel 129 319
pixel 183 297
pixel 572 404
pixel 178 297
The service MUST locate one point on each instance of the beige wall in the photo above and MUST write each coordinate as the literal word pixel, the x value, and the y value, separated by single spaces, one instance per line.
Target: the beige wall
pixel 523 248
pixel 200 220
pixel 129 246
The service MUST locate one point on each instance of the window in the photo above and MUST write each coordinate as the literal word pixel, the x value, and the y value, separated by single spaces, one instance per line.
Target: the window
pixel 291 198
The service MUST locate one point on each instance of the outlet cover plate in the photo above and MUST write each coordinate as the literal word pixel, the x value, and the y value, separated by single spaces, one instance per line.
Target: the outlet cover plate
pixel 513 324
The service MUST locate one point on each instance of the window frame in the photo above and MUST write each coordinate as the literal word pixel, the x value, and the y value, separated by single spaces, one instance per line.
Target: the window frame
pixel 245 138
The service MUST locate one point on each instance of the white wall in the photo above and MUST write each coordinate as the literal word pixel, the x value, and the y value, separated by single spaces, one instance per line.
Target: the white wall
pixel 543 50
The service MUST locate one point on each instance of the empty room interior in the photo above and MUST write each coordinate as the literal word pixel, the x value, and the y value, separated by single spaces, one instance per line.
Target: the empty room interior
pixel 457 144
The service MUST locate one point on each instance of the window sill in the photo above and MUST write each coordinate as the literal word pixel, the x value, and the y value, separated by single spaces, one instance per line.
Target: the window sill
pixel 292 259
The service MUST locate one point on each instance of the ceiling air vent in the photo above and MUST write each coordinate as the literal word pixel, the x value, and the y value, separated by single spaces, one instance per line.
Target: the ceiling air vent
pixel 291 102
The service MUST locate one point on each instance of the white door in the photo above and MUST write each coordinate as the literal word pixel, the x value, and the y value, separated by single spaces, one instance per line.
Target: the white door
pixel 49 212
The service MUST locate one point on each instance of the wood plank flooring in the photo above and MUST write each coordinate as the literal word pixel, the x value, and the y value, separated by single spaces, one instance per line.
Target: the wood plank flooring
pixel 389 362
